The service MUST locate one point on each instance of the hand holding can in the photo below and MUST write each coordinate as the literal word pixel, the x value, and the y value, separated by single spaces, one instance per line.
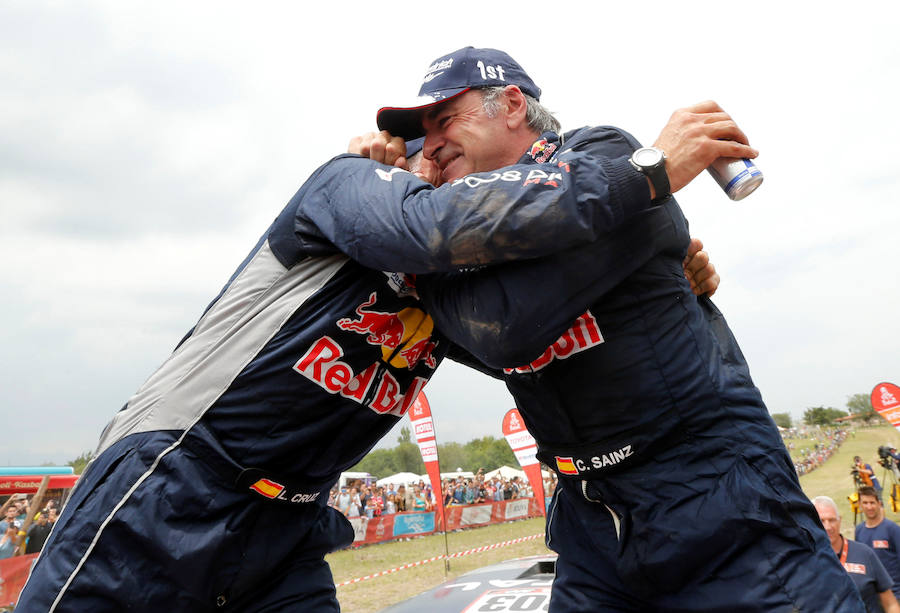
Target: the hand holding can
pixel 705 136
pixel 738 177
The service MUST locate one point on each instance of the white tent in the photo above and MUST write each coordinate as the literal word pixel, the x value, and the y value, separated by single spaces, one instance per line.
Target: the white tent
pixel 507 472
pixel 465 474
pixel 399 479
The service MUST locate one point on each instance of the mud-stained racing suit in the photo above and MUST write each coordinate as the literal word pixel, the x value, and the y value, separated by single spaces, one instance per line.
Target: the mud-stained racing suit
pixel 676 491
pixel 208 490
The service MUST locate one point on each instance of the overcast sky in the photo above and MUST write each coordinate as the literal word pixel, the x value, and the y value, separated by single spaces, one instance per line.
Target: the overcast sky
pixel 144 147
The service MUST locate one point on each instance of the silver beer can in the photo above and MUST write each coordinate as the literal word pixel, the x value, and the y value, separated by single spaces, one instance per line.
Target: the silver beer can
pixel 737 176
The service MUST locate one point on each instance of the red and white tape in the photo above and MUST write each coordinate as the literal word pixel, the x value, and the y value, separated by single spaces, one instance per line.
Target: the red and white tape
pixel 458 554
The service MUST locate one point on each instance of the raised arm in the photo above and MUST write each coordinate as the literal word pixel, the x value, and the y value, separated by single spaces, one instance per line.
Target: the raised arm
pixel 388 219
pixel 507 315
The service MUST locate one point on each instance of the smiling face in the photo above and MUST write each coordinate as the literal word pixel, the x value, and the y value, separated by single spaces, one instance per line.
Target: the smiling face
pixel 461 138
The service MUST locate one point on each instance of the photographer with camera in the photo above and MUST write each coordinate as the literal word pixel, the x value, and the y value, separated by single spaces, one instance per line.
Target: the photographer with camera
pixel 867 475
pixel 890 459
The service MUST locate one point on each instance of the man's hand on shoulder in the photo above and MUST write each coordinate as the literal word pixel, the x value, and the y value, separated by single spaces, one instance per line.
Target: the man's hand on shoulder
pixel 699 271
pixel 381 147
pixel 695 137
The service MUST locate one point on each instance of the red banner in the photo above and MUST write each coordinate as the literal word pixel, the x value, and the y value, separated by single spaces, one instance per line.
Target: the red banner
pixel 886 400
pixel 13 573
pixel 29 484
pixel 525 448
pixel 423 430
pixel 405 525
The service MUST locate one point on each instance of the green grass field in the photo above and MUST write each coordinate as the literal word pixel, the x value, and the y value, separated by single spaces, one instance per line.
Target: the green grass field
pixel 375 594
pixel 831 479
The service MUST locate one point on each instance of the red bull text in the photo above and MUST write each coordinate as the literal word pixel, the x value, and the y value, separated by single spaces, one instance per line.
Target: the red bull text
pixel 405 341
pixel 583 335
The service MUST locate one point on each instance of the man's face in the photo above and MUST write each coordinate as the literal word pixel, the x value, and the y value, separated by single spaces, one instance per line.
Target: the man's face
pixel 461 139
pixel 11 512
pixel 870 506
pixel 830 520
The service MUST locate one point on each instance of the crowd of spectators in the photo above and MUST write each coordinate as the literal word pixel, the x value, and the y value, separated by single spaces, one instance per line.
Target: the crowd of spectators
pixel 14 512
pixel 826 442
pixel 360 499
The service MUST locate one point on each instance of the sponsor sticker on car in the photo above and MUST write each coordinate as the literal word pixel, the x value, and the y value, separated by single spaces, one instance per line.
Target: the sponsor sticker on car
pixel 521 599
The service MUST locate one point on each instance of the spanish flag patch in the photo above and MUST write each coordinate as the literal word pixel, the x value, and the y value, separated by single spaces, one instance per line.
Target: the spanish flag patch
pixel 267 488
pixel 566 466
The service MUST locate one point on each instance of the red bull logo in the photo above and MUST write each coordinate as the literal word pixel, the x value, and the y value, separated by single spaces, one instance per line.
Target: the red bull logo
pixel 322 365
pixel 405 336
pixel 541 150
pixel 583 335
pixel 405 341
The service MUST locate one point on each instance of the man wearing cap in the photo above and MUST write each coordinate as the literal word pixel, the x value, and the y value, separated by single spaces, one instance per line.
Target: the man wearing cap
pixel 675 490
pixel 208 489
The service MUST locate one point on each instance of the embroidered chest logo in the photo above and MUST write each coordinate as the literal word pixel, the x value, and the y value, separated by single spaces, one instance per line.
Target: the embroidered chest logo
pixel 542 150
pixel 405 341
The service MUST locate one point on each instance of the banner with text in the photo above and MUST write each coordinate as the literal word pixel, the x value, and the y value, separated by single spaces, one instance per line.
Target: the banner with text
pixel 400 525
pixel 423 430
pixel 886 401
pixel 525 449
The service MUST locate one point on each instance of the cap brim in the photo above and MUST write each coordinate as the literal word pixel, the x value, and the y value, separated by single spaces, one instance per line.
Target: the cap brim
pixel 405 121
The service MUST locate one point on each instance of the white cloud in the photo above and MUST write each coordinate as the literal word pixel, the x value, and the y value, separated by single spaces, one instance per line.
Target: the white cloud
pixel 146 146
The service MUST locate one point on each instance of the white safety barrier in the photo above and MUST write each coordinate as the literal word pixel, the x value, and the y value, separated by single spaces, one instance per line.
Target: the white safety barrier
pixel 458 554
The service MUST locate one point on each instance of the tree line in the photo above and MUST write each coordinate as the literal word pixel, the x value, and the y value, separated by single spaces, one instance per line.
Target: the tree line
pixel 487 452
pixel 858 405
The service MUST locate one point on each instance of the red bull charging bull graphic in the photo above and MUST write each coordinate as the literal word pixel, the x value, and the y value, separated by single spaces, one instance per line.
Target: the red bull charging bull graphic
pixel 405 340
pixel 405 337
pixel 541 150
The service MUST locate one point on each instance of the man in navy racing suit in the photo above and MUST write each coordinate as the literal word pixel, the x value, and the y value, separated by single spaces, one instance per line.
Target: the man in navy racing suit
pixel 207 490
pixel 676 492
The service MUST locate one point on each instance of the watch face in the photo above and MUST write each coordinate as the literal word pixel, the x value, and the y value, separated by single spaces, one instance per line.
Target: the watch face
pixel 647 156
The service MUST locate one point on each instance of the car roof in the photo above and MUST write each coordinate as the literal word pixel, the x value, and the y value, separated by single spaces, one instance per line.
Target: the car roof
pixel 521 584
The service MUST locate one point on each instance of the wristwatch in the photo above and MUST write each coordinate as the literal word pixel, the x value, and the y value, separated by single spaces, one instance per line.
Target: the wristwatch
pixel 652 162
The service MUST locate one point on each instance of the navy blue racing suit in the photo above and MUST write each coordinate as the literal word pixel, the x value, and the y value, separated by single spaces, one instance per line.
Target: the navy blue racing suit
pixel 676 491
pixel 208 489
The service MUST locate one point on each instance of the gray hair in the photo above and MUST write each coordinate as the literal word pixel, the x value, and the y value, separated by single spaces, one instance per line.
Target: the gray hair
pixel 538 117
pixel 825 501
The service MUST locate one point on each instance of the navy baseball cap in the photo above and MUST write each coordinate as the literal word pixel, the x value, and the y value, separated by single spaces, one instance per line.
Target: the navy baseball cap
pixel 449 76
